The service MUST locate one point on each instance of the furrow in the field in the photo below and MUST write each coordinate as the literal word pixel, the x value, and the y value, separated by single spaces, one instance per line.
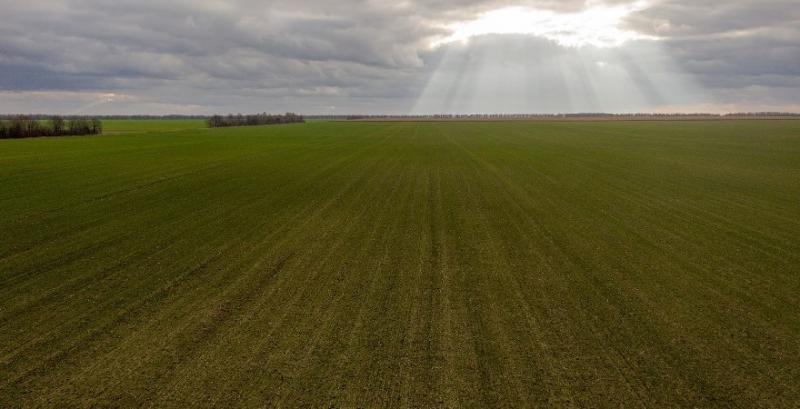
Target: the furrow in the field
pixel 564 250
pixel 597 164
pixel 653 226
pixel 597 262
pixel 235 270
pixel 313 261
pixel 158 196
pixel 653 213
pixel 657 215
pixel 445 382
pixel 354 286
pixel 88 176
pixel 554 245
pixel 418 358
pixel 113 210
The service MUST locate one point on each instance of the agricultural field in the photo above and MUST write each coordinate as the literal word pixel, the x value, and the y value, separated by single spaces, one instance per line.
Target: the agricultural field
pixel 336 264
pixel 129 126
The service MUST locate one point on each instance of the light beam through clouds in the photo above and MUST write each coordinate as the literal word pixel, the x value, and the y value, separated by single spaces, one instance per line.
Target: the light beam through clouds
pixel 389 57
pixel 517 60
pixel 107 98
pixel 598 25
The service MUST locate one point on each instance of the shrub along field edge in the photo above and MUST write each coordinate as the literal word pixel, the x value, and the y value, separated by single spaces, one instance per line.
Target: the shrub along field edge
pixel 30 127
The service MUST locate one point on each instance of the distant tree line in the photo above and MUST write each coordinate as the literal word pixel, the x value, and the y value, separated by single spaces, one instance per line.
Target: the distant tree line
pixel 586 115
pixel 22 126
pixel 152 117
pixel 219 121
pixel 109 117
pixel 763 114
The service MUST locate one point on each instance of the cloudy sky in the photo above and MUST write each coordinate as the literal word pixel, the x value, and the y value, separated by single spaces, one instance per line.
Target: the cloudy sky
pixel 398 57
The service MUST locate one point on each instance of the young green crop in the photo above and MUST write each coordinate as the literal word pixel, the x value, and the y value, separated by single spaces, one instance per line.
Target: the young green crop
pixel 614 264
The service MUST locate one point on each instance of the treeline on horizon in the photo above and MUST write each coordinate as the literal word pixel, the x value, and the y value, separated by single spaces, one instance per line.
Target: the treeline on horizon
pixel 22 126
pixel 219 121
pixel 566 116
pixel 359 116
pixel 104 117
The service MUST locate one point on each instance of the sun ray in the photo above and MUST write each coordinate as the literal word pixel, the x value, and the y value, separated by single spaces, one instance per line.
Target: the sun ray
pixel 597 25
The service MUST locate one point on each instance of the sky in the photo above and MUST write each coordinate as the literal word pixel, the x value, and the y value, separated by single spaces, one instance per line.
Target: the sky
pixel 398 56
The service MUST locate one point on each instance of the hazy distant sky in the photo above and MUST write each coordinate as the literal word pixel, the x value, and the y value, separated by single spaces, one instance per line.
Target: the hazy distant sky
pixel 394 56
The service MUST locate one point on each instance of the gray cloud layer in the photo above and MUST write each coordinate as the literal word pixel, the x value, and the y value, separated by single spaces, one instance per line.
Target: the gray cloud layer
pixel 373 56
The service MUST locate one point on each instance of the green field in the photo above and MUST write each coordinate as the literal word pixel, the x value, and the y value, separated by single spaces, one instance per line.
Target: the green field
pixel 126 126
pixel 614 264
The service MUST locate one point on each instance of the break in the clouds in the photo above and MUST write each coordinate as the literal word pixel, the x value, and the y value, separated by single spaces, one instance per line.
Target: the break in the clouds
pixel 379 56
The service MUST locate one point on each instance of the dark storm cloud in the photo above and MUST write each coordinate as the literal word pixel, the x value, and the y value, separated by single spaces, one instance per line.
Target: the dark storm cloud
pixel 745 50
pixel 343 56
